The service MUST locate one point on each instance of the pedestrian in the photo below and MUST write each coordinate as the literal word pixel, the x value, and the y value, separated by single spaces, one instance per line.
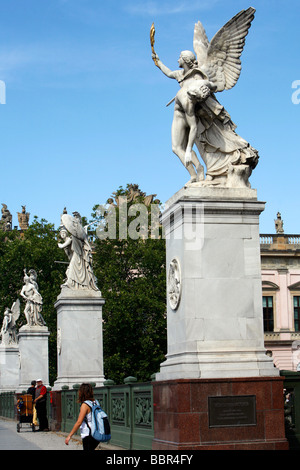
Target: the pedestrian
pixel 31 391
pixel 41 405
pixel 84 419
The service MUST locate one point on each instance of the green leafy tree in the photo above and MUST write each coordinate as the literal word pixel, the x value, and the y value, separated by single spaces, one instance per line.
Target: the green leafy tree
pixel 35 249
pixel 131 277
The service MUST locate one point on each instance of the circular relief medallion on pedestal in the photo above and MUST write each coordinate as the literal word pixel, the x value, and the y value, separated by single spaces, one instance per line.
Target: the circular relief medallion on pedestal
pixel 174 284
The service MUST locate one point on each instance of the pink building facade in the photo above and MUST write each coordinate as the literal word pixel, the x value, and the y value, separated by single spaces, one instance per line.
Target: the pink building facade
pixel 280 263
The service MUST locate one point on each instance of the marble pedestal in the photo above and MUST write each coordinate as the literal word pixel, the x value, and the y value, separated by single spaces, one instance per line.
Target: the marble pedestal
pixel 79 338
pixel 9 368
pixel 217 388
pixel 34 351
pixel 214 313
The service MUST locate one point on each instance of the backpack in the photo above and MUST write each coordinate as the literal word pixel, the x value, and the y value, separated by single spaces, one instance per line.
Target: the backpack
pixel 100 427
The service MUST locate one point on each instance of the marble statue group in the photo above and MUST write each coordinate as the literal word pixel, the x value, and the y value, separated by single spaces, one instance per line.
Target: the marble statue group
pixel 8 331
pixel 200 123
pixel 199 118
pixel 33 299
pixel 32 310
pixel 79 252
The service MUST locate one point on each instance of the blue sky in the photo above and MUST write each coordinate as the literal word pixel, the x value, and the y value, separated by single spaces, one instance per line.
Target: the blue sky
pixel 86 111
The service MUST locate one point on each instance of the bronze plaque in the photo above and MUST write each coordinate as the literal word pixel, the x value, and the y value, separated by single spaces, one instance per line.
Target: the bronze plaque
pixel 232 411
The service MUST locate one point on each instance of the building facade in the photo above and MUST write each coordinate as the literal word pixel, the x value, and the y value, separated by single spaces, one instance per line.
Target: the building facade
pixel 280 263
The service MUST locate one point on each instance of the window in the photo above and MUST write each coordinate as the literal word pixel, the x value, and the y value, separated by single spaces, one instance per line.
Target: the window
pixel 268 313
pixel 297 312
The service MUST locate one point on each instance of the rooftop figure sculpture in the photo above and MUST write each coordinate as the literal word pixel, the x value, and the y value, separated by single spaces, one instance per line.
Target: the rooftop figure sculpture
pixel 199 119
pixel 23 218
pixel 6 219
pixel 279 224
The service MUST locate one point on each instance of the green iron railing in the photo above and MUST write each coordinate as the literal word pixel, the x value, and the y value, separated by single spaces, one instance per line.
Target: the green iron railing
pixel 129 407
pixel 7 405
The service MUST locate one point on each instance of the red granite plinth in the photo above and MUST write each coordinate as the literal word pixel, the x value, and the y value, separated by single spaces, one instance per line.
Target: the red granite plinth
pixel 182 421
pixel 55 415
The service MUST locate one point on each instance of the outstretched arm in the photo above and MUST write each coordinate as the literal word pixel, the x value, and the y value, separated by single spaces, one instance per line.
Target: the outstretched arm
pixel 168 72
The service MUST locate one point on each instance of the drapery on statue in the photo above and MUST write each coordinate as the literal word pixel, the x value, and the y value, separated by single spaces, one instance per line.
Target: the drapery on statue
pixel 199 119
pixel 34 301
pixel 8 331
pixel 79 272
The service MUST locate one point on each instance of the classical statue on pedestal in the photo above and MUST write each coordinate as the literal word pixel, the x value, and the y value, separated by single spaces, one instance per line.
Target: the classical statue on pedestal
pixel 199 119
pixel 76 246
pixel 8 331
pixel 33 299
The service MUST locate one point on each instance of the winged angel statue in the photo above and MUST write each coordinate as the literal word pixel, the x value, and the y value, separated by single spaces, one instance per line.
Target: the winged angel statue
pixel 199 119
pixel 79 273
pixel 9 329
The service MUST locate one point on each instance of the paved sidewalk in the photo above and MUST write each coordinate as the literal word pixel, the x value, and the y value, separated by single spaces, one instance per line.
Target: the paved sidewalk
pixel 10 439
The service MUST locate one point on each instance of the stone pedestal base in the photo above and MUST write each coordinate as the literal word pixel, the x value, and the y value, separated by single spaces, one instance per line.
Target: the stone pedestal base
pixel 9 368
pixel 214 290
pixel 79 338
pixel 34 360
pixel 224 414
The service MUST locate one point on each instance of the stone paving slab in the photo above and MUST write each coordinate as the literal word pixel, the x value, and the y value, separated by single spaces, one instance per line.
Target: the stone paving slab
pixel 26 439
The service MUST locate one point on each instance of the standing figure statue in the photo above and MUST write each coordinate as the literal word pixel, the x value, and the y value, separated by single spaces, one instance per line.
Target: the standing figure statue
pixel 279 224
pixel 199 119
pixel 6 219
pixel 8 331
pixel 23 218
pixel 34 301
pixel 76 245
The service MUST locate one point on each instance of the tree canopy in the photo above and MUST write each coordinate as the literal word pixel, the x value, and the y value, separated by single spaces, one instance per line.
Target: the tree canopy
pixel 131 276
pixel 36 248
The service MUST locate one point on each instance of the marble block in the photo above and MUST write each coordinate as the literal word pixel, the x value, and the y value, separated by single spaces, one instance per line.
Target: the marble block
pixel 9 368
pixel 214 313
pixel 79 338
pixel 34 355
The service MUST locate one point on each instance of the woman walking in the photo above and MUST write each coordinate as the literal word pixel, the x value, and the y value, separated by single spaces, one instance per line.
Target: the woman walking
pixel 84 419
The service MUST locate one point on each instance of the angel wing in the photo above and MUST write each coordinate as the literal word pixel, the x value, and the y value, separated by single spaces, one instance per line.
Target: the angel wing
pixel 15 310
pixel 220 58
pixel 73 226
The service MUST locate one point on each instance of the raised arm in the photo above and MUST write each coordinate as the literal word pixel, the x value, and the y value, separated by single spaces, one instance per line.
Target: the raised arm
pixel 168 72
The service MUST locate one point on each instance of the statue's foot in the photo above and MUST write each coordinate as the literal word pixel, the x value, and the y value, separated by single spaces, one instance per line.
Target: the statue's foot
pixel 191 181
